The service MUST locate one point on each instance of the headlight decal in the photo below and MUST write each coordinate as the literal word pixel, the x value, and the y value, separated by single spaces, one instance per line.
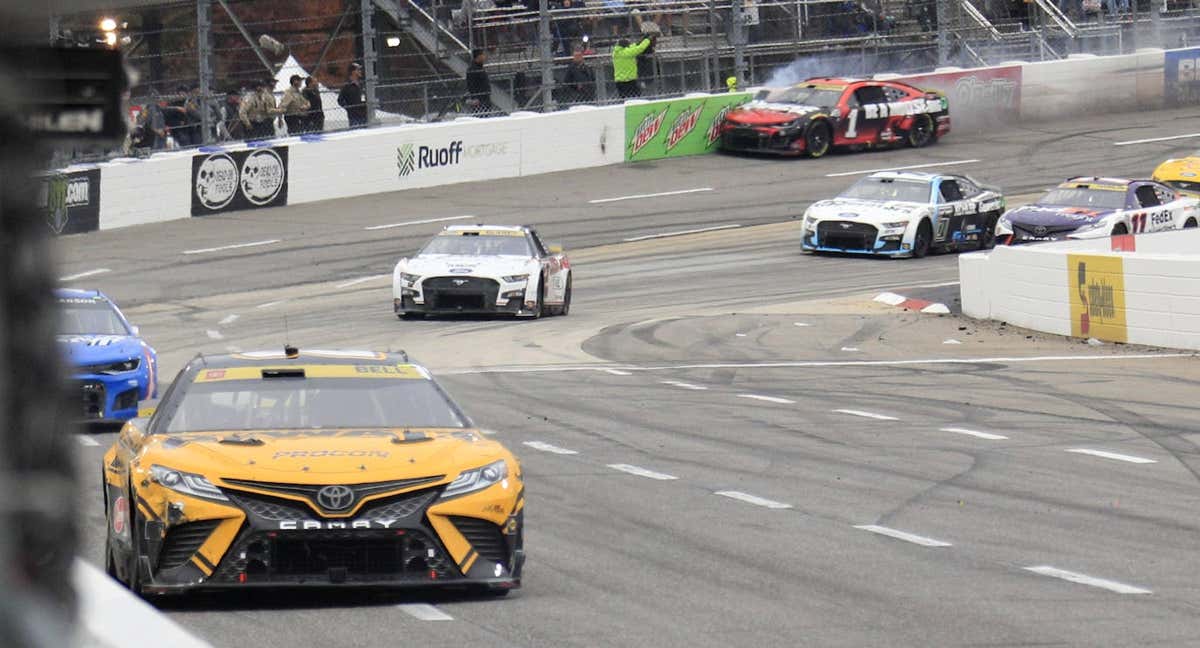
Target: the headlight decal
pixel 477 479
pixel 186 483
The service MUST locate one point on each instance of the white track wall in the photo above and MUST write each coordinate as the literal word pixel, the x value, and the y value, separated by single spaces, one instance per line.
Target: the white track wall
pixel 1148 296
pixel 342 165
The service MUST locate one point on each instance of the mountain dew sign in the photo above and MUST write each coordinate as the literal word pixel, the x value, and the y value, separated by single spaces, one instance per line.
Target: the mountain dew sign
pixel 676 127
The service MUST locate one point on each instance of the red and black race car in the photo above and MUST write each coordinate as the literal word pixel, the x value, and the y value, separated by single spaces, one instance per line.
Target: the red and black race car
pixel 812 117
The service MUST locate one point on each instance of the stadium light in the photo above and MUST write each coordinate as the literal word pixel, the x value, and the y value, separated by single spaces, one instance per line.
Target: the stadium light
pixel 110 38
pixel 108 25
pixel 393 41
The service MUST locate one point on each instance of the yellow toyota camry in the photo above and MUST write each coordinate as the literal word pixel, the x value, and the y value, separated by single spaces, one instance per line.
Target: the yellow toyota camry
pixel 313 468
pixel 1182 174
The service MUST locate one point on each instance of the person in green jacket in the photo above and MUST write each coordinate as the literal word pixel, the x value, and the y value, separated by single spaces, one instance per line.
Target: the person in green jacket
pixel 625 67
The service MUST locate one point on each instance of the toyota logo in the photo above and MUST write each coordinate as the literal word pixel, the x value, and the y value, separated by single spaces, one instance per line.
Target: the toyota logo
pixel 335 498
pixel 1040 230
pixel 460 282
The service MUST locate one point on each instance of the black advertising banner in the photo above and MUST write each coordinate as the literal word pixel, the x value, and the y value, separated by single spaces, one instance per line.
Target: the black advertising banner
pixel 228 181
pixel 71 201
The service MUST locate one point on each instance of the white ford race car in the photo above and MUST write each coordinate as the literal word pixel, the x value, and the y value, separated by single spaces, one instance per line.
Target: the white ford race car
pixel 1089 207
pixel 904 213
pixel 483 269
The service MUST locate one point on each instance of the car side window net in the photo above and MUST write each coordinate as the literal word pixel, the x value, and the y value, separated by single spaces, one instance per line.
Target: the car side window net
pixel 950 191
pixel 1147 197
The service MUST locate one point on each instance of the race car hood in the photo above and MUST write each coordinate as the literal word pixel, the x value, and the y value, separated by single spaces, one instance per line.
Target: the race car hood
pixel 316 456
pixel 868 211
pixel 488 266
pixel 761 113
pixel 1055 216
pixel 83 350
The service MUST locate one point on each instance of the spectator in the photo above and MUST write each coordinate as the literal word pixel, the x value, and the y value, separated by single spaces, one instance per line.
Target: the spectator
pixel 479 87
pixel 579 86
pixel 256 111
pixel 175 117
pixel 314 120
pixel 625 66
pixel 353 99
pixel 294 106
pixel 154 127
pixel 232 127
pixel 193 107
pixel 569 27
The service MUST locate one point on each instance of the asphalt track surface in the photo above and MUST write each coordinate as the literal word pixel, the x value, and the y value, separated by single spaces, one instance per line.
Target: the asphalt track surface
pixel 731 445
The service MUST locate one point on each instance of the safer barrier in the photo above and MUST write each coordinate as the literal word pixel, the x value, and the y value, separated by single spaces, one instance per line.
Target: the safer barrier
pixel 1146 292
pixel 304 169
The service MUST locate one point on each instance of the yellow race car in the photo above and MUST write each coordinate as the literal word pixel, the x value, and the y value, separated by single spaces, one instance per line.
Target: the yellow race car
pixel 1182 174
pixel 314 468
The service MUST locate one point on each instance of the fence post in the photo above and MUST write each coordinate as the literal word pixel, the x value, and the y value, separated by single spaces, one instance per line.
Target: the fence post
pixel 370 74
pixel 547 55
pixel 737 34
pixel 942 15
pixel 204 60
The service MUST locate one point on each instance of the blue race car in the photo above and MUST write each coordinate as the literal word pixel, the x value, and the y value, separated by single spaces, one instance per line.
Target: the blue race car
pixel 112 366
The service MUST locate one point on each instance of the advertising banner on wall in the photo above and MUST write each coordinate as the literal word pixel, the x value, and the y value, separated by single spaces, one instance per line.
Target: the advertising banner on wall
pixel 676 127
pixel 1096 285
pixel 228 181
pixel 977 97
pixel 71 201
pixel 445 156
pixel 1181 82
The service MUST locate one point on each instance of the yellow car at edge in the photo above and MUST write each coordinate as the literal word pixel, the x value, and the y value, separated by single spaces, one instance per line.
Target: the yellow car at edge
pixel 310 469
pixel 1181 174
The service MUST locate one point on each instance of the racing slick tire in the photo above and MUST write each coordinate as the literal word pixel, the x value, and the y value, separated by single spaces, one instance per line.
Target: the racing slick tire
pixel 541 310
pixel 1191 222
pixel 818 138
pixel 1120 229
pixel 922 240
pixel 408 317
pixel 987 240
pixel 922 133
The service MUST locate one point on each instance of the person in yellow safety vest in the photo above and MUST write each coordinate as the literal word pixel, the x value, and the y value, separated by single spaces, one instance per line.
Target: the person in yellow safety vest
pixel 625 68
pixel 731 84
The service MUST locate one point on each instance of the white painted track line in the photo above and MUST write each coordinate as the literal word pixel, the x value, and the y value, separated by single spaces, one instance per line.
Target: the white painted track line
pixel 982 435
pixel 546 447
pixel 424 612
pixel 617 372
pixel 228 319
pixel 683 385
pixel 270 304
pixel 235 246
pixel 901 168
pixel 86 273
pixel 870 415
pixel 769 399
pixel 903 535
pixel 753 499
pixel 423 221
pixel 642 472
pixel 86 440
pixel 214 334
pixel 1112 455
pixel 355 282
pixel 680 192
pixel 1084 579
pixel 1151 140
pixel 700 230
pixel 799 364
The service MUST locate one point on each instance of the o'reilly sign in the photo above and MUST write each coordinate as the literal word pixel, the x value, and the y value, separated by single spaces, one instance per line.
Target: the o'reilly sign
pixel 412 158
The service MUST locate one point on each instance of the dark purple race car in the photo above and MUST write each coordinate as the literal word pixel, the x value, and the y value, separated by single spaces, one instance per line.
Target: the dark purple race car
pixel 1092 207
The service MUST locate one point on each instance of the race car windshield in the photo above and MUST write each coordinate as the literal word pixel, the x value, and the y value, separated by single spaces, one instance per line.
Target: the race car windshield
pixel 1084 197
pixel 471 245
pixel 306 403
pixel 888 189
pixel 805 96
pixel 78 317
